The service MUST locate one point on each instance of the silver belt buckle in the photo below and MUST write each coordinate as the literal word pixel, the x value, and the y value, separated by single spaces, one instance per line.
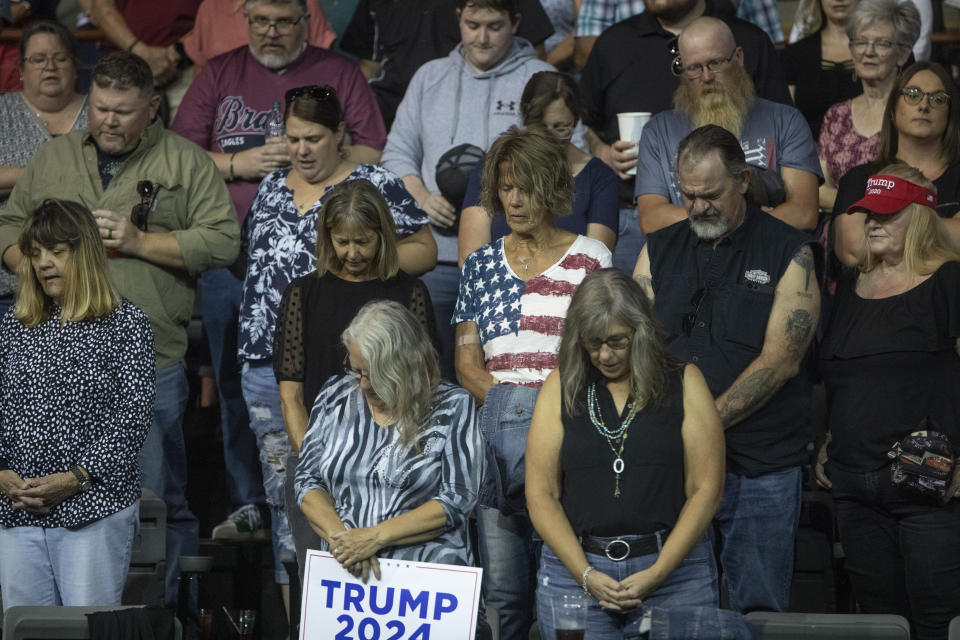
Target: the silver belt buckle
pixel 609 554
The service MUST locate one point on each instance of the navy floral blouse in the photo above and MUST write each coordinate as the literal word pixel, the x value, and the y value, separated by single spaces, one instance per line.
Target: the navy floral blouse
pixel 281 246
pixel 78 393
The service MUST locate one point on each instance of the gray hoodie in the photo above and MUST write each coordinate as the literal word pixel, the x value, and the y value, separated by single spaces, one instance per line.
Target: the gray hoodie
pixel 447 104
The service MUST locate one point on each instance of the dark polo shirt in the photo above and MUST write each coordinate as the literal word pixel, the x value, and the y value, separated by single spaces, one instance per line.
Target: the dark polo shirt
pixel 737 279
pixel 629 70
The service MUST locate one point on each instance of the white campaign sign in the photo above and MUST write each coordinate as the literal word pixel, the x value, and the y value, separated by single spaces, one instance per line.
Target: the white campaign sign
pixel 411 601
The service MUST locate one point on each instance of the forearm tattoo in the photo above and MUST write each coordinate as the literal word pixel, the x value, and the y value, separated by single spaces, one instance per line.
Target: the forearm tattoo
pixel 747 396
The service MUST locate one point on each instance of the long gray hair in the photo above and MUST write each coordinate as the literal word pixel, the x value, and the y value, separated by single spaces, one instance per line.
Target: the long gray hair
pixel 606 297
pixel 404 371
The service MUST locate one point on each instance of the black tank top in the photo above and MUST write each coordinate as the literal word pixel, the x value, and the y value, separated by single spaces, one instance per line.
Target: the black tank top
pixel 651 484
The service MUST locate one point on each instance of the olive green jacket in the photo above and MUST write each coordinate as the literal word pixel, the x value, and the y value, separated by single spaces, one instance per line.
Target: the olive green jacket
pixel 192 204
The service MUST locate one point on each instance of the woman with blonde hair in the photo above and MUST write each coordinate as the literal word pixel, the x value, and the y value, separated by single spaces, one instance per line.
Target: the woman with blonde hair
pixel 390 466
pixel 890 365
pixel 76 400
pixel 514 294
pixel 357 262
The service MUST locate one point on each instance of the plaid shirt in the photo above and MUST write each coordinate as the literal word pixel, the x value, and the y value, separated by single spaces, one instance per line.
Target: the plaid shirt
pixel 597 15
pixel 764 14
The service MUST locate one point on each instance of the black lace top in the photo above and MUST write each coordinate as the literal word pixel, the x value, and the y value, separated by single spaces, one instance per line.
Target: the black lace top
pixel 315 311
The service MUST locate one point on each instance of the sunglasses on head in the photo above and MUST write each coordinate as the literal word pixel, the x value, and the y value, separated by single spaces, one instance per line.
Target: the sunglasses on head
pixel 320 93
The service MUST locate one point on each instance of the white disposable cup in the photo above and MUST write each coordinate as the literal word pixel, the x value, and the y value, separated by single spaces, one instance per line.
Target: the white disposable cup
pixel 631 126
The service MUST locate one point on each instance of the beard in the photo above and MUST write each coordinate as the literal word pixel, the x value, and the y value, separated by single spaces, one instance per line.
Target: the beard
pixel 709 225
pixel 724 104
pixel 278 60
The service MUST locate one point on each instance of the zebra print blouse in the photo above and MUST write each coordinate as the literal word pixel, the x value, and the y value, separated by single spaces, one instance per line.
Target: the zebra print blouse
pixel 371 476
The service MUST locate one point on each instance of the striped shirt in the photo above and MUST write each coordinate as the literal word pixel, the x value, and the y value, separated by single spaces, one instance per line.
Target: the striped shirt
pixel 371 476
pixel 520 323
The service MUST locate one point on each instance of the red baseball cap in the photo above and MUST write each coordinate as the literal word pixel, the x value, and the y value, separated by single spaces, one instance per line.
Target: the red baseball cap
pixel 889 194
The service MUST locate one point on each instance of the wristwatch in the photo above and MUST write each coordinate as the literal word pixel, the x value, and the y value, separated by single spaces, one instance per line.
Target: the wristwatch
pixel 82 479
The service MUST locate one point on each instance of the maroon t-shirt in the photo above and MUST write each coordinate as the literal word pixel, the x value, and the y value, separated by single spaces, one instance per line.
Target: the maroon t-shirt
pixel 159 23
pixel 227 106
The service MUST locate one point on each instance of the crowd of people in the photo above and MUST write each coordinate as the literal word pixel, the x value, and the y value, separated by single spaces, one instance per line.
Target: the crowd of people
pixel 439 291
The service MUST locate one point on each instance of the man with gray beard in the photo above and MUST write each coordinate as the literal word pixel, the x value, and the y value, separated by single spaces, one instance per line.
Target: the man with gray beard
pixel 736 291
pixel 716 89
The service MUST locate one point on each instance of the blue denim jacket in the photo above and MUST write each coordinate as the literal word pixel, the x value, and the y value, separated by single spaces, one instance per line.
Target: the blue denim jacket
pixel 505 420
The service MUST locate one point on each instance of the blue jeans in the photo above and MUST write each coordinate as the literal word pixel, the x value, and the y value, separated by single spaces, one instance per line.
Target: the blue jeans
pixel 86 566
pixel 262 394
pixel 903 556
pixel 220 295
pixel 163 460
pixel 692 584
pixel 756 524
pixel 630 241
pixel 507 550
pixel 443 283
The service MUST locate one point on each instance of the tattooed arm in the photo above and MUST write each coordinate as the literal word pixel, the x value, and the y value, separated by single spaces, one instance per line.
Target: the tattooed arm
pixel 641 273
pixel 793 320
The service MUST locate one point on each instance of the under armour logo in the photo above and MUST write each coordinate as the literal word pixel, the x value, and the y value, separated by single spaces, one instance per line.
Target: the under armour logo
pixel 509 105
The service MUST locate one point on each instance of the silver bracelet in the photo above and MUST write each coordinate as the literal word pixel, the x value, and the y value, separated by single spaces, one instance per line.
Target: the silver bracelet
pixel 583 579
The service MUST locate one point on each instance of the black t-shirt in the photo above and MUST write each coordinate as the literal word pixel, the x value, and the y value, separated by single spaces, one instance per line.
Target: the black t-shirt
pixel 819 83
pixel 629 70
pixel 314 312
pixel 889 363
pixel 651 483
pixel 730 290
pixel 404 34
pixel 853 184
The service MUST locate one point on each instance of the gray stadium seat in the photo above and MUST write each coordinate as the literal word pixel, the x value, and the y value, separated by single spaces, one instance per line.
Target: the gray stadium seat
pixel 829 626
pixel 54 623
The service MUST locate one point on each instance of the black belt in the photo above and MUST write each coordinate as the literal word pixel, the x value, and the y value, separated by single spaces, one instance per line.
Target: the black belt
pixel 619 549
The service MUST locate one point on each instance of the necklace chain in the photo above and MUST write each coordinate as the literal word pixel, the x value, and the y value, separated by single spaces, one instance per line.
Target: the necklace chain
pixel 612 436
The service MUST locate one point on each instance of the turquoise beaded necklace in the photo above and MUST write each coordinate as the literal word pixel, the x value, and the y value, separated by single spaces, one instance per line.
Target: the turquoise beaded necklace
pixel 616 438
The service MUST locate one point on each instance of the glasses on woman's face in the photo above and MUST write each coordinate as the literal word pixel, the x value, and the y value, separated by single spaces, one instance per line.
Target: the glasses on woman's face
pixel 881 46
pixel 356 374
pixel 284 26
pixel 915 95
pixel 614 343
pixel 40 61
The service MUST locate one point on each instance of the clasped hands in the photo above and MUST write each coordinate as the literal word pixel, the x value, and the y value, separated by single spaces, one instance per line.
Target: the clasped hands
pixel 37 495
pixel 355 550
pixel 620 596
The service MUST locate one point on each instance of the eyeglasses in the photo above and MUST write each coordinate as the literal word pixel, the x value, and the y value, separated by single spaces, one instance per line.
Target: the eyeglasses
pixel 148 194
pixel 690 320
pixel 57 59
pixel 936 99
pixel 881 47
pixel 320 93
pixel 615 343
pixel 695 70
pixel 561 129
pixel 357 374
pixel 284 26
pixel 673 50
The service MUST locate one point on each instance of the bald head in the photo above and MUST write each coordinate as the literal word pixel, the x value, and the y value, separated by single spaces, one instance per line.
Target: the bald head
pixel 705 33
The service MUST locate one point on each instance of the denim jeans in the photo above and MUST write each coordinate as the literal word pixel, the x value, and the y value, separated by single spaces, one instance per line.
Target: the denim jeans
pixel 903 556
pixel 86 566
pixel 262 394
pixel 757 524
pixel 163 460
pixel 630 241
pixel 507 550
pixel 443 283
pixel 220 295
pixel 692 584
